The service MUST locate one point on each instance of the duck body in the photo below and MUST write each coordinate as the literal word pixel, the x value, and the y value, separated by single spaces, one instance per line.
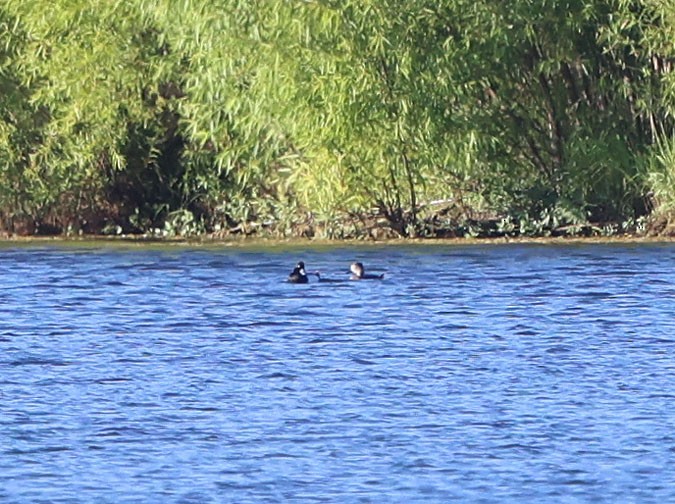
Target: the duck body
pixel 298 275
pixel 358 273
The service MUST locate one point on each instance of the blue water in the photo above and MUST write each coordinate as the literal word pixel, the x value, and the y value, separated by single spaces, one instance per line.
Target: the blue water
pixel 511 373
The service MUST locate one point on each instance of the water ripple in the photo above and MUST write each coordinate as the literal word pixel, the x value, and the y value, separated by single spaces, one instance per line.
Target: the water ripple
pixel 479 373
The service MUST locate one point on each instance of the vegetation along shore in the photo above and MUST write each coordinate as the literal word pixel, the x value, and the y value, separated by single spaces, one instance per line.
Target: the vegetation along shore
pixel 337 120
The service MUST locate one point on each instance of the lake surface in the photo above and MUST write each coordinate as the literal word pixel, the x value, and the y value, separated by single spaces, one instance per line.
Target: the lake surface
pixel 510 373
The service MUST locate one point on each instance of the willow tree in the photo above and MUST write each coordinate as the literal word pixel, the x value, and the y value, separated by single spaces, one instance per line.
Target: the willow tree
pixel 641 35
pixel 220 72
pixel 18 124
pixel 558 106
pixel 518 104
pixel 223 112
pixel 75 75
pixel 373 97
pixel 125 116
pixel 312 110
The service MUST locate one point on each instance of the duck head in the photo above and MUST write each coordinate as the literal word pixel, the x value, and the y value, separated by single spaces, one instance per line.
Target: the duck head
pixel 356 269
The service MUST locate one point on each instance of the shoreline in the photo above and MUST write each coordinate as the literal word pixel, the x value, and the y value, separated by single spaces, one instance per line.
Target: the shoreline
pixel 94 241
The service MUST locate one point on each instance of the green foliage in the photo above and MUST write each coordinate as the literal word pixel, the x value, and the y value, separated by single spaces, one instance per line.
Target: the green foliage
pixel 374 111
pixel 325 118
pixel 549 101
pixel 646 30
pixel 660 175
pixel 76 80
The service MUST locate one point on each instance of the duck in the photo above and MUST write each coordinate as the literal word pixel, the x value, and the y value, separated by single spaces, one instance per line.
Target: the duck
pixel 298 275
pixel 358 273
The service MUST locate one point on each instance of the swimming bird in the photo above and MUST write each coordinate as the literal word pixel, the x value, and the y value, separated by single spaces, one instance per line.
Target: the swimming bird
pixel 358 273
pixel 298 275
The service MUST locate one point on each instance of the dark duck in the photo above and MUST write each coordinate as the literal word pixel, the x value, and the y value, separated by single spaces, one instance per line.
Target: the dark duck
pixel 298 275
pixel 358 273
